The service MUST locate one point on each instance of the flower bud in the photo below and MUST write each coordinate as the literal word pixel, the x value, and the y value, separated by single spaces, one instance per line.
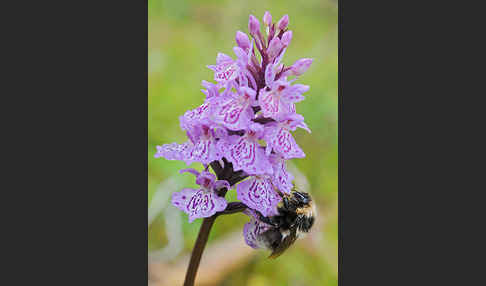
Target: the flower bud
pixel 253 26
pixel 300 66
pixel 284 22
pixel 286 38
pixel 267 18
pixel 274 47
pixel 242 40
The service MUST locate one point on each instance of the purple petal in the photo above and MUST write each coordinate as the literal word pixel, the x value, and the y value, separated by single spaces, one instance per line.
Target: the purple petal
pixel 226 72
pixel 269 103
pixel 281 178
pixel 283 143
pixel 286 38
pixel 205 151
pixel 211 89
pixel 252 231
pixel 241 55
pixel 221 58
pixel 292 94
pixel 274 47
pixel 194 117
pixel 258 193
pixel 198 203
pixel 301 88
pixel 267 18
pixel 300 66
pixel 243 78
pixel 251 78
pixel 253 25
pixel 283 22
pixel 269 74
pixel 175 151
pixel 257 129
pixel 250 234
pixel 295 120
pixel 182 198
pixel 205 179
pixel 247 155
pixel 233 113
pixel 242 40
pixel 248 93
pixel 280 56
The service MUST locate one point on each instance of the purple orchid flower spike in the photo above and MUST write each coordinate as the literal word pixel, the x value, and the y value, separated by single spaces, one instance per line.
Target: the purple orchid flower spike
pixel 243 130
pixel 202 202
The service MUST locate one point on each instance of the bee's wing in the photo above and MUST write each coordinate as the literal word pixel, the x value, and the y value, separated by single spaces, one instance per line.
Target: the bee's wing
pixel 286 242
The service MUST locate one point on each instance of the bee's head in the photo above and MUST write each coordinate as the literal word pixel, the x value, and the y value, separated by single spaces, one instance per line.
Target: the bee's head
pixel 306 210
pixel 296 200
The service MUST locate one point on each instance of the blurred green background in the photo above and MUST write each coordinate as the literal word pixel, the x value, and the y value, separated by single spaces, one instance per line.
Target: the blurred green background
pixel 184 37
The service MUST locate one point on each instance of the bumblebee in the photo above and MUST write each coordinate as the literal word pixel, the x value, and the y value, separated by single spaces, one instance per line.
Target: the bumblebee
pixel 296 215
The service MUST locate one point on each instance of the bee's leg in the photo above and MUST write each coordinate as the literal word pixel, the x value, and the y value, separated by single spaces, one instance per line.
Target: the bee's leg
pixel 286 202
pixel 289 204
pixel 267 220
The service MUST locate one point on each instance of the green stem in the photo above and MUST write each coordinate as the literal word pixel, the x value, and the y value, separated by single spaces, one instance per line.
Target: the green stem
pixel 197 252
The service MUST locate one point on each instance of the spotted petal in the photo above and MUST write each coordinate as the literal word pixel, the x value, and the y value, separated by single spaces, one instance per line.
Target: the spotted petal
pixel 211 89
pixel 198 203
pixel 282 142
pixel 232 112
pixel 174 151
pixel 226 71
pixel 205 151
pixel 258 193
pixel 193 117
pixel 294 93
pixel 281 178
pixel 269 103
pixel 252 231
pixel 247 155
